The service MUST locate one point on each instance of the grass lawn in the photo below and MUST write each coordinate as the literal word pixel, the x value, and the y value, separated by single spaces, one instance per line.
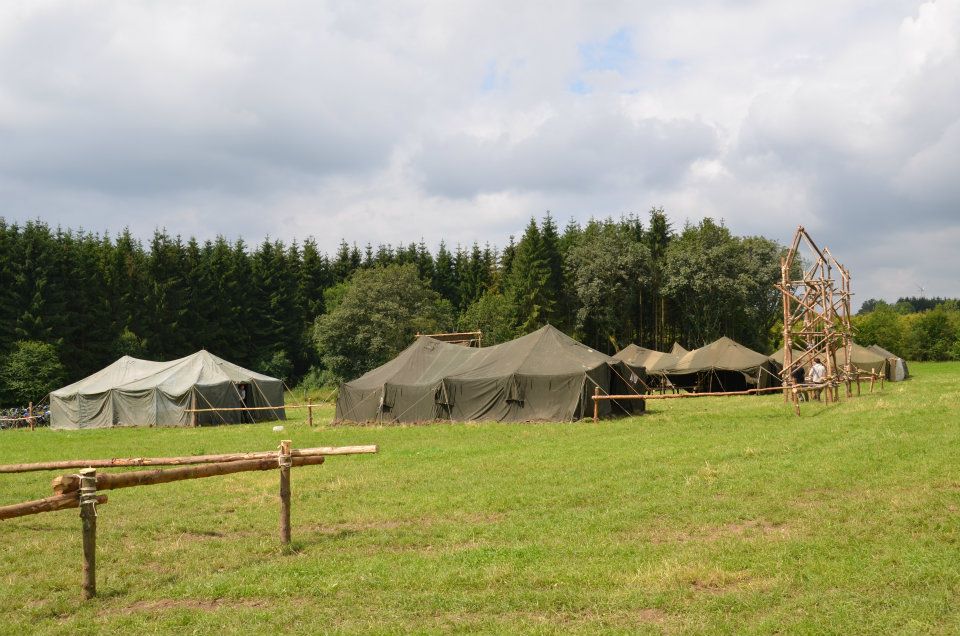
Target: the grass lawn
pixel 725 515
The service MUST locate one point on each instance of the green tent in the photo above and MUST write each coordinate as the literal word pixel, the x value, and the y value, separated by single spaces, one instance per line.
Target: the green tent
pixel 545 375
pixel 649 362
pixel 132 392
pixel 897 369
pixel 862 358
pixel 723 365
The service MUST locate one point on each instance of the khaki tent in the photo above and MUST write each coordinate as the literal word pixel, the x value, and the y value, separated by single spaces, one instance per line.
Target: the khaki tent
pixel 132 392
pixel 862 358
pixel 677 350
pixel 650 362
pixel 896 366
pixel 723 365
pixel 544 375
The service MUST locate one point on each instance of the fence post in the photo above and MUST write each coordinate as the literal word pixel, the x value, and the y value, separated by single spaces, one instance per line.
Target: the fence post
pixel 30 415
pixel 596 403
pixel 309 411
pixel 88 518
pixel 285 462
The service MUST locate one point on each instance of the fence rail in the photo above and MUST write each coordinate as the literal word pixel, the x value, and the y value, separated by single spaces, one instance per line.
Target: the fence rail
pixel 81 490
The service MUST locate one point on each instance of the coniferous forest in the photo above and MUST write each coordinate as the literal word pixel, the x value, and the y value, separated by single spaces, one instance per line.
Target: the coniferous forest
pixel 74 301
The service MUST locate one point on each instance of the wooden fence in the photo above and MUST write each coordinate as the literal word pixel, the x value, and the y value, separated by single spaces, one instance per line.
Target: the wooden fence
pixel 791 393
pixel 82 490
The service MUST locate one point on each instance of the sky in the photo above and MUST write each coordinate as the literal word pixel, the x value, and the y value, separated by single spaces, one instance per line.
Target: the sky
pixel 388 122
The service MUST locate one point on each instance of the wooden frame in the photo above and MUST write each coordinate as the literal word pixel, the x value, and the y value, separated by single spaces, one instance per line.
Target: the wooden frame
pixel 816 317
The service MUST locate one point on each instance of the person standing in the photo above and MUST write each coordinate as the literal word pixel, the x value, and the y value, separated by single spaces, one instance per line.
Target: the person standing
pixel 799 375
pixel 818 374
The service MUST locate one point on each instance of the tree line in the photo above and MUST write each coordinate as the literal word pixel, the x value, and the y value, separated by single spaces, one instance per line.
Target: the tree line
pixel 913 328
pixel 73 301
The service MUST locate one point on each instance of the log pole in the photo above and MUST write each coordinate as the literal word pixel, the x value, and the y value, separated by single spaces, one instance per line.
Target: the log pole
pixel 111 481
pixel 30 415
pixel 596 403
pixel 309 412
pixel 183 461
pixel 285 462
pixel 873 378
pixel 49 504
pixel 88 519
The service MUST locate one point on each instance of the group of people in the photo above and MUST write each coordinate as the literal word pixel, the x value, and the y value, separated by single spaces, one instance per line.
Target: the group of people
pixel 818 374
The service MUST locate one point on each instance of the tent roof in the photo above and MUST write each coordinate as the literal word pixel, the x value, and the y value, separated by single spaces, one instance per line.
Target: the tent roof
pixel 650 359
pixel 677 350
pixel 777 356
pixel 881 351
pixel 860 355
pixel 545 352
pixel 863 355
pixel 174 377
pixel 426 361
pixel 723 354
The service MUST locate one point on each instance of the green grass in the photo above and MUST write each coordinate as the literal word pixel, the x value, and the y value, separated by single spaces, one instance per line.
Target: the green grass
pixel 726 515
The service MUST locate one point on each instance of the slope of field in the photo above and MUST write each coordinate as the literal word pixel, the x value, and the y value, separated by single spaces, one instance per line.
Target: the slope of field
pixel 724 515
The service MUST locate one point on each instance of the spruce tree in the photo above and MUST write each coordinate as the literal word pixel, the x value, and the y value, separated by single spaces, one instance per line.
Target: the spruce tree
pixel 444 278
pixel 528 283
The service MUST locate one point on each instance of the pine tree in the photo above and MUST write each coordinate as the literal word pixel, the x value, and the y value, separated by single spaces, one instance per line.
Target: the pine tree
pixel 550 242
pixel 444 277
pixel 528 283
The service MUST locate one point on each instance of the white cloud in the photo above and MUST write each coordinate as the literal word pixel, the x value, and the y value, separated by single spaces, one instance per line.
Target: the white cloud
pixel 394 121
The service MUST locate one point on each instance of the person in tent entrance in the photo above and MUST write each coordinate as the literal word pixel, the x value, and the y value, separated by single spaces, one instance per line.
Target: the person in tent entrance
pixel 245 416
pixel 818 373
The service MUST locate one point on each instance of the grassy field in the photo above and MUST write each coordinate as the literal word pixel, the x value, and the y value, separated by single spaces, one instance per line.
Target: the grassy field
pixel 728 515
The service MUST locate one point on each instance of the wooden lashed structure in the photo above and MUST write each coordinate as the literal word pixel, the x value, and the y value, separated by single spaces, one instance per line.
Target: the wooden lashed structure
pixel 816 315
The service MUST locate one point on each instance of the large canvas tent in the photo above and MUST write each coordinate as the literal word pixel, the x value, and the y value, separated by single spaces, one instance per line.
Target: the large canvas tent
pixel 897 369
pixel 545 375
pixel 862 358
pixel 132 392
pixel 650 362
pixel 722 365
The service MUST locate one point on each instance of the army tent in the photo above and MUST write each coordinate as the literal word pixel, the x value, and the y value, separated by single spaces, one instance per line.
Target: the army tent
pixel 862 359
pixel 649 361
pixel 544 375
pixel 677 350
pixel 896 366
pixel 723 365
pixel 132 392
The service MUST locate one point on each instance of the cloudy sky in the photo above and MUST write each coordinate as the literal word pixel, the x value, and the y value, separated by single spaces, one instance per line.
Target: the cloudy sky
pixel 392 121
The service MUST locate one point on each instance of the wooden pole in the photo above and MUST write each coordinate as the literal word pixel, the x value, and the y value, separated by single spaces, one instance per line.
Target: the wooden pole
pixel 796 402
pixel 596 403
pixel 49 504
pixel 30 415
pixel 193 408
pixel 88 518
pixel 674 396
pixel 310 412
pixel 285 461
pixel 873 378
pixel 183 461
pixel 111 481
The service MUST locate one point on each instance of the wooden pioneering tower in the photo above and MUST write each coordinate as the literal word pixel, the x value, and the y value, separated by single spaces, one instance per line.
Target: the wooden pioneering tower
pixel 816 316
